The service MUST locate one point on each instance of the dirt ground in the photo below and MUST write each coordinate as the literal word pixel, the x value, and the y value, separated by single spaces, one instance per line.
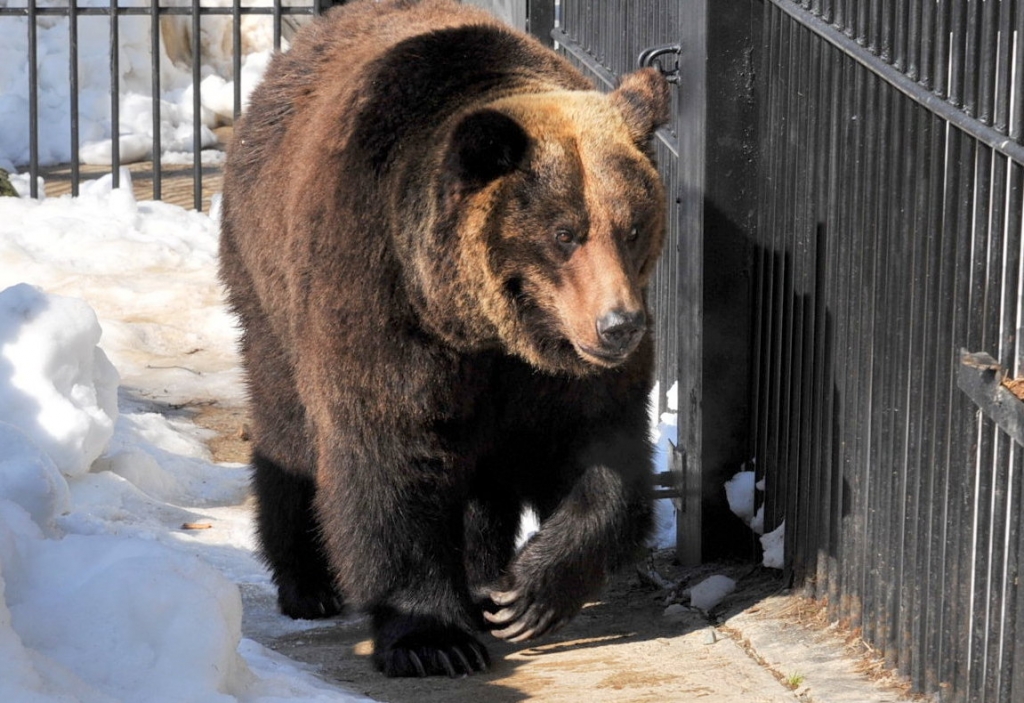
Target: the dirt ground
pixel 760 645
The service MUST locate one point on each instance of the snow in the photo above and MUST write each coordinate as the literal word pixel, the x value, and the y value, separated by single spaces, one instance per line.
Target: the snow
pixel 103 595
pixel 774 547
pixel 741 492
pixel 711 591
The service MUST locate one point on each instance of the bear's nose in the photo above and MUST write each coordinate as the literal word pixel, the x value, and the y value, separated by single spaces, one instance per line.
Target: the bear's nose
pixel 620 330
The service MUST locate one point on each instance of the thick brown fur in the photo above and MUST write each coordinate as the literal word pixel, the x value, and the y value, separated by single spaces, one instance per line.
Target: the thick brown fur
pixel 437 238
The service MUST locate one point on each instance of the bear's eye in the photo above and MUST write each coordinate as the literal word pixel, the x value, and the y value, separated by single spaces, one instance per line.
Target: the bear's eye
pixel 633 234
pixel 566 237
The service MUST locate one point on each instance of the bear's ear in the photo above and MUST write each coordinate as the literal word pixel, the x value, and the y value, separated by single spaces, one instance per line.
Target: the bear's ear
pixel 642 98
pixel 485 145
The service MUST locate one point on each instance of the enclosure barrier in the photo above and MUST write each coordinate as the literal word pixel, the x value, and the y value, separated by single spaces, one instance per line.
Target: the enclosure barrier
pixel 888 239
pixel 29 13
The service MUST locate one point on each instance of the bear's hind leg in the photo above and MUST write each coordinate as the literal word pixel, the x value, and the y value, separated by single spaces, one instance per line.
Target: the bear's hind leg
pixel 289 535
pixel 492 525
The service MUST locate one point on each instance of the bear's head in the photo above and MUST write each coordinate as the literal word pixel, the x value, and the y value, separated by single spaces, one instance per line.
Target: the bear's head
pixel 560 217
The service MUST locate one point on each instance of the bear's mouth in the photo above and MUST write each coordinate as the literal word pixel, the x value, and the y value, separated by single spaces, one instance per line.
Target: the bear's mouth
pixel 601 357
pixel 551 348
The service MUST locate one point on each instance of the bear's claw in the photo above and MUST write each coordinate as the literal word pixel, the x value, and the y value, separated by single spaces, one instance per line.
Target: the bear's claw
pixel 519 627
pixel 428 661
pixel 520 619
pixel 410 645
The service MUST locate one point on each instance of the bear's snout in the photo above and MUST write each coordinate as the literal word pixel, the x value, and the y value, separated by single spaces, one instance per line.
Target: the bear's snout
pixel 619 331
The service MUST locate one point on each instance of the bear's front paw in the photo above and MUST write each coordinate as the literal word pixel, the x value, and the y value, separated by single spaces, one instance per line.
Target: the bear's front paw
pixel 517 614
pixel 411 645
pixel 309 602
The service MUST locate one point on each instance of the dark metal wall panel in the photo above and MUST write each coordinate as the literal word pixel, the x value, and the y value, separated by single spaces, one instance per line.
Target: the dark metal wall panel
pixel 888 238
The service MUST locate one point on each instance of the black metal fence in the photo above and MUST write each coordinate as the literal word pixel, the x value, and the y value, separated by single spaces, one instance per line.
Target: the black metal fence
pixel 888 239
pixel 28 14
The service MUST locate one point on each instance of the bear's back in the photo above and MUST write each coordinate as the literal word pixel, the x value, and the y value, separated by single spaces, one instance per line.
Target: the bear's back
pixel 376 74
pixel 338 137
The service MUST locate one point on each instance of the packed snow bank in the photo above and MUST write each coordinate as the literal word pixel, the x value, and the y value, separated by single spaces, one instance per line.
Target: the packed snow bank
pixel 103 595
pixel 61 389
pixel 147 268
pixel 96 601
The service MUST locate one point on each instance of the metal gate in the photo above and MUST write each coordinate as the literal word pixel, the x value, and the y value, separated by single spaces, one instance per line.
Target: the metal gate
pixel 888 239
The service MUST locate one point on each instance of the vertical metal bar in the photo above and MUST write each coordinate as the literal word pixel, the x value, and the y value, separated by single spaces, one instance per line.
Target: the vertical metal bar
pixel 903 366
pixel 832 269
pixel 277 24
pixel 33 102
pixel 236 57
pixel 941 57
pixel 73 92
pixel 1010 314
pixel 915 609
pixel 1016 127
pixel 880 37
pixel 925 28
pixel 972 58
pixel 820 384
pixel 903 36
pixel 115 96
pixel 888 330
pixel 992 221
pixel 962 439
pixel 957 44
pixel 1005 68
pixel 869 311
pixel 197 109
pixel 987 54
pixel 154 68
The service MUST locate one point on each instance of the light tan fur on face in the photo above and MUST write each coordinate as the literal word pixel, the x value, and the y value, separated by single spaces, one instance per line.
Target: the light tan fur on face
pixel 602 275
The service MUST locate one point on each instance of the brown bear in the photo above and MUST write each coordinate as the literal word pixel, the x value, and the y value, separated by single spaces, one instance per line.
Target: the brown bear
pixel 436 236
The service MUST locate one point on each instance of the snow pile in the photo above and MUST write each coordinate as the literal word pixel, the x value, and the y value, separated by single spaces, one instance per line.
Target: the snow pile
pixel 62 390
pixel 135 131
pixel 741 492
pixel 103 595
pixel 147 268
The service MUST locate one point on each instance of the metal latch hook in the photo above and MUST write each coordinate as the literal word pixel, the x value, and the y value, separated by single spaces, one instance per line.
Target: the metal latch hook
pixel 652 57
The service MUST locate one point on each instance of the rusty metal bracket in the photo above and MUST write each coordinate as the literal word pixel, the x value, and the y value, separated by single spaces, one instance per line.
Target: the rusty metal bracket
pixel 981 377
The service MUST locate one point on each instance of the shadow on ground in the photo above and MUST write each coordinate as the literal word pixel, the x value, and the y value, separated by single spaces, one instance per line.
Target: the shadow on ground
pixel 621 648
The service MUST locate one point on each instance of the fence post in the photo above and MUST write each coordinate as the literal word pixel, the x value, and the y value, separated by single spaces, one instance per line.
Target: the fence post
pixel 540 19
pixel 717 161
